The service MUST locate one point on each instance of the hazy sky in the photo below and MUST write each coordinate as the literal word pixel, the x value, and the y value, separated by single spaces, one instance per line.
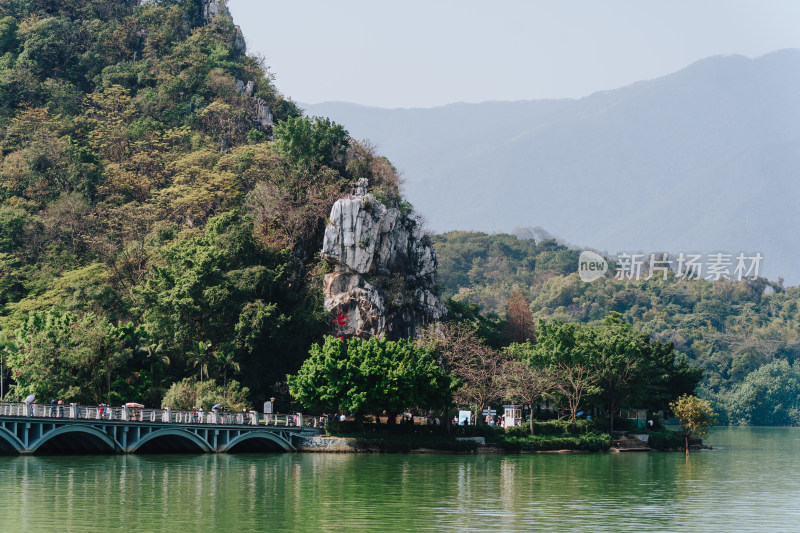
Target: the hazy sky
pixel 414 53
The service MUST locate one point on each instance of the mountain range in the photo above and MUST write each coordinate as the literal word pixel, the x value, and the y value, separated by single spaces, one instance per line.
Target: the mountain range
pixel 702 160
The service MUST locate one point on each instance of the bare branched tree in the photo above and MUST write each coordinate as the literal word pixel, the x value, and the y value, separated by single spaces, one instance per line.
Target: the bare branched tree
pixel 573 382
pixel 467 357
pixel 522 382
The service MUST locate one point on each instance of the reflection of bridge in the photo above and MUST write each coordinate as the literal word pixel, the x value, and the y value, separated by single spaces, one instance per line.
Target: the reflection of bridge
pixel 69 430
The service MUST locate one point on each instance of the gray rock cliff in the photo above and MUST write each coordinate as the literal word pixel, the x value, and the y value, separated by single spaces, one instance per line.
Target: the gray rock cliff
pixel 382 282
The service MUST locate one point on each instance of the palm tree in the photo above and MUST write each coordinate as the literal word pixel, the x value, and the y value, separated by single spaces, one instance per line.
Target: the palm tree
pixel 152 353
pixel 226 361
pixel 202 357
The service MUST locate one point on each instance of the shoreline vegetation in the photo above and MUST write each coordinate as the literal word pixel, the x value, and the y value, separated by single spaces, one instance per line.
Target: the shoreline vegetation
pixel 551 436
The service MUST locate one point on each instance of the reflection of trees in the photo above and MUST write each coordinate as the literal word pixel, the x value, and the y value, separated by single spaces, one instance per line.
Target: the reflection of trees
pixel 347 492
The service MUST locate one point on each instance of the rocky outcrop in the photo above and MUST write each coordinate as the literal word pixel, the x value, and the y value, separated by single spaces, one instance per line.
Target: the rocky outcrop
pixel 382 281
pixel 263 116
pixel 212 8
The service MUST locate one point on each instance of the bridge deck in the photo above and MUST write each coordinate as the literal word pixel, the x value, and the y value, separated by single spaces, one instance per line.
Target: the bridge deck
pixel 27 429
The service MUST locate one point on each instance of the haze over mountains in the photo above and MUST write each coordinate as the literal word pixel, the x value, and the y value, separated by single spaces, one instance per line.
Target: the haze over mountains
pixel 706 159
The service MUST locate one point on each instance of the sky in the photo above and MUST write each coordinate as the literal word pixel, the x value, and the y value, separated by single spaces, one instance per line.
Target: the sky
pixel 415 53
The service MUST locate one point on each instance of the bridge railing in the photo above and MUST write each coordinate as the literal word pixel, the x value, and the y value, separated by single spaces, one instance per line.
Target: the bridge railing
pixel 173 416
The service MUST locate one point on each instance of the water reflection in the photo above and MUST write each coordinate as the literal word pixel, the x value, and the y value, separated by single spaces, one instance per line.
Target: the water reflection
pixel 748 484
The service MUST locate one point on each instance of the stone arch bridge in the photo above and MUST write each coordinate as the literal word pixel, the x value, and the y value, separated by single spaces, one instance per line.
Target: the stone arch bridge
pixel 26 430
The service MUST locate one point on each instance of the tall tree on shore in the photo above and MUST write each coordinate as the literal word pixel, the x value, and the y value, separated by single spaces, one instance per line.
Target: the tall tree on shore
pixel 695 416
pixel 567 351
pixel 523 382
pixel 622 364
pixel 370 376
pixel 519 319
pixel 476 365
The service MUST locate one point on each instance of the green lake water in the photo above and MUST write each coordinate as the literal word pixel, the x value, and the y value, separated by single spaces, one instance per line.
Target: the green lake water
pixel 749 482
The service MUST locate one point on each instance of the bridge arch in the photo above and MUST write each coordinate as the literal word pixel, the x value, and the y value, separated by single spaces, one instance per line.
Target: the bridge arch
pixel 72 438
pixel 9 443
pixel 170 440
pixel 258 441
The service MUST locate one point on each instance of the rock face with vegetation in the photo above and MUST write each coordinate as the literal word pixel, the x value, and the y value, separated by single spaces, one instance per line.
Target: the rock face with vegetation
pixel 383 269
pixel 161 204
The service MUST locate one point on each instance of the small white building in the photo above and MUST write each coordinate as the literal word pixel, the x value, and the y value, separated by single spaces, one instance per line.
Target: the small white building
pixel 512 416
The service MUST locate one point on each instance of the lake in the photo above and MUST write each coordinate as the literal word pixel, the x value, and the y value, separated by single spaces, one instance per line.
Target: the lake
pixel 749 482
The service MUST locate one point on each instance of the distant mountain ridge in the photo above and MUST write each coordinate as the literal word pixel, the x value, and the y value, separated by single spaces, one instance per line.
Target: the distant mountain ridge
pixel 705 159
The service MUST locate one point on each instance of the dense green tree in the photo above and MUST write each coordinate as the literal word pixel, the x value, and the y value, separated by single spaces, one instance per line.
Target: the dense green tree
pixel 371 376
pixel 232 293
pixel 623 365
pixel 695 416
pixel 60 354
pixel 670 374
pixel 8 35
pixel 489 328
pixel 124 136
pixel 568 351
pixel 310 143
pixel 608 365
pixel 768 396
pixel 487 269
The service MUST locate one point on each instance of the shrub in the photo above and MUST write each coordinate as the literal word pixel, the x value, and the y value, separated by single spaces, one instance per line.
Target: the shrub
pixel 520 431
pixel 665 440
pixel 587 441
pixel 556 427
pixel 399 438
pixel 189 393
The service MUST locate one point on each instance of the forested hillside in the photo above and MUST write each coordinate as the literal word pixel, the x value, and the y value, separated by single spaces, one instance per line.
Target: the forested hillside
pixel 150 227
pixel 745 335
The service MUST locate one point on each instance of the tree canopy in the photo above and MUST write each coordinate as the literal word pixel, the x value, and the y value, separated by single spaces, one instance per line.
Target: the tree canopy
pixel 371 377
pixel 607 365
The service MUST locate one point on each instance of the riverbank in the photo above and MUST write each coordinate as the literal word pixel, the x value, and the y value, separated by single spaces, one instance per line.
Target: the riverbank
pixel 549 437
